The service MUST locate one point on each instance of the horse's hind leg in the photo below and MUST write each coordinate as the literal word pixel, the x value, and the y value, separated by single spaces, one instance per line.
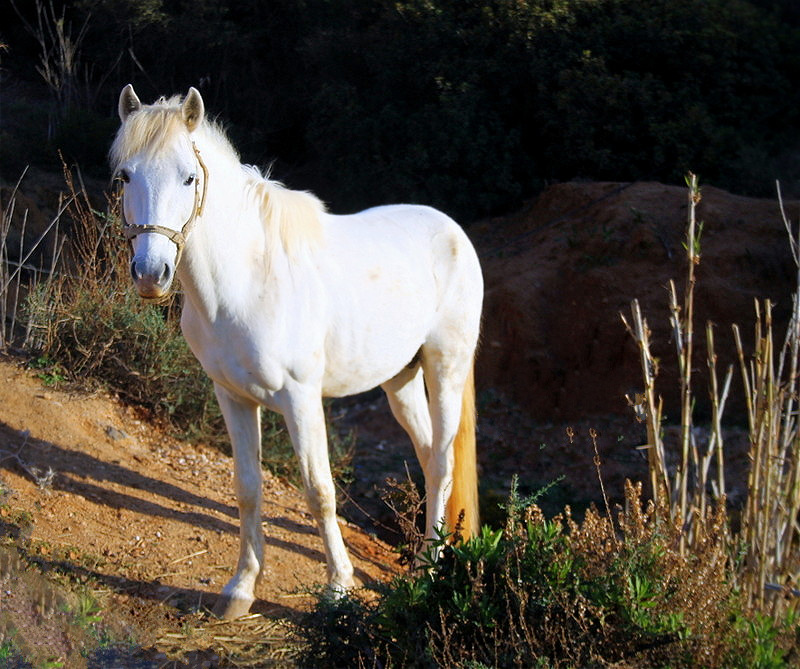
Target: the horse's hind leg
pixel 305 421
pixel 242 419
pixel 406 395
pixel 445 377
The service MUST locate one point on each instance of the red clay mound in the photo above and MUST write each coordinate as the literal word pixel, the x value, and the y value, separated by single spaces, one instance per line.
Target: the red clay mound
pixel 559 272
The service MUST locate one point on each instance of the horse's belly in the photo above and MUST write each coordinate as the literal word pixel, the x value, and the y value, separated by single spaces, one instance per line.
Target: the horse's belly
pixel 361 374
pixel 375 344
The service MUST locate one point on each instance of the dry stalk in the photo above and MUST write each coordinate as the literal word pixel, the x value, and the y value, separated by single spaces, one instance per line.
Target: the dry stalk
pixel 684 492
pixel 13 271
pixel 652 409
pixel 683 332
pixel 407 506
pixel 769 528
pixel 593 436
pixel 715 442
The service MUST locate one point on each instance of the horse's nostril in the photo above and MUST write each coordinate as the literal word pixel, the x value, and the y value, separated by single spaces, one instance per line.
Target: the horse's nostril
pixel 165 275
pixel 157 275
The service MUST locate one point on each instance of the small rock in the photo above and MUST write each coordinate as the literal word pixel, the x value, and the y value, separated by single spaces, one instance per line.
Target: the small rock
pixel 115 434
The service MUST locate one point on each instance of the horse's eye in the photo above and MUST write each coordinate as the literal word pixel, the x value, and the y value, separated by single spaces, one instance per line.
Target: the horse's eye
pixel 189 180
pixel 123 176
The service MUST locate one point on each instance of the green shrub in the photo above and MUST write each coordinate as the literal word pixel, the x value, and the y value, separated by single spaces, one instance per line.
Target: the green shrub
pixel 554 592
pixel 469 105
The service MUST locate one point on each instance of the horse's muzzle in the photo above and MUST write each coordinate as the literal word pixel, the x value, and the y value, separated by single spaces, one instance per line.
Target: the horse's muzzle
pixel 151 281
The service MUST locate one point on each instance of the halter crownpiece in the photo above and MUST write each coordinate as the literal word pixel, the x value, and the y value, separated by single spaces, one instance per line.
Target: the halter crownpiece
pixel 177 237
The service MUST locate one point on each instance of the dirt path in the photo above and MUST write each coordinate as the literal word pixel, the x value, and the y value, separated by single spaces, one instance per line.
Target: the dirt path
pixel 150 522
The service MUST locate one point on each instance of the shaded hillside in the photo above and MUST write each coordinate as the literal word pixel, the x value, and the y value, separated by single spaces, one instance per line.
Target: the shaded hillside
pixel 559 272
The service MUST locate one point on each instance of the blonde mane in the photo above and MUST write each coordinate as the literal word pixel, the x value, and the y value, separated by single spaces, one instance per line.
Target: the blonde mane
pixel 291 218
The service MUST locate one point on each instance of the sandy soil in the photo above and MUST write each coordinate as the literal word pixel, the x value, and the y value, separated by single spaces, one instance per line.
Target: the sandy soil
pixel 149 522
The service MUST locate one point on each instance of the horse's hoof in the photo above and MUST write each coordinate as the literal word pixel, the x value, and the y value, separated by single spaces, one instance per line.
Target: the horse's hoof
pixel 333 592
pixel 339 588
pixel 229 607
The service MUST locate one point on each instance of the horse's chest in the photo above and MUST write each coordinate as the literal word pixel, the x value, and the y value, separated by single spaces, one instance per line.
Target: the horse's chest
pixel 245 364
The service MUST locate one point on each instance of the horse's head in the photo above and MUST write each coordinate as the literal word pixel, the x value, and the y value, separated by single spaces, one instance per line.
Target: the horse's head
pixel 163 179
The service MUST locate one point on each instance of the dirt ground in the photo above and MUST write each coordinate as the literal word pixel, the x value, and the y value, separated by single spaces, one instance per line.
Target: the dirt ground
pixel 149 523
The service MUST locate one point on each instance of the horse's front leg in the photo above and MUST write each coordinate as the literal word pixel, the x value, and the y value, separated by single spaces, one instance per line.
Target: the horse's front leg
pixel 243 420
pixel 305 421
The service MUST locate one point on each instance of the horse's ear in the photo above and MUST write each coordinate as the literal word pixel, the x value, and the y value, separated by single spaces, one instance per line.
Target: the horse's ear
pixel 193 109
pixel 128 102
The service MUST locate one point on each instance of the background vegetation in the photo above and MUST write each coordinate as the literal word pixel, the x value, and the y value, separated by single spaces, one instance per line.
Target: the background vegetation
pixel 469 105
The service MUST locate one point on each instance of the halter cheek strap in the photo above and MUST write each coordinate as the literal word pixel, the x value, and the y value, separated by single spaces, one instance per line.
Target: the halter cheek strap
pixel 177 237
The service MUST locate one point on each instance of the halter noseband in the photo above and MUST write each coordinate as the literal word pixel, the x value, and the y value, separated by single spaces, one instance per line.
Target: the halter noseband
pixel 177 237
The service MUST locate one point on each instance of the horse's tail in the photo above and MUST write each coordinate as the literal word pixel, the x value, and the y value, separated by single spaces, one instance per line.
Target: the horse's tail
pixel 464 492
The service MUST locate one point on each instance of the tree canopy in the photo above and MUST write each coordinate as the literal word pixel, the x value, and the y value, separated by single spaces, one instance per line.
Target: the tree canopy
pixel 468 105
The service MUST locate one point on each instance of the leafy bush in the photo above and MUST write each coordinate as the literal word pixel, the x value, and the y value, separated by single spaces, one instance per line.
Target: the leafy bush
pixel 556 592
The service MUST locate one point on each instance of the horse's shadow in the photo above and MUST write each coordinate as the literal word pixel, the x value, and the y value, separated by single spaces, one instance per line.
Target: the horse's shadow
pixel 82 474
pixel 181 598
pixel 75 471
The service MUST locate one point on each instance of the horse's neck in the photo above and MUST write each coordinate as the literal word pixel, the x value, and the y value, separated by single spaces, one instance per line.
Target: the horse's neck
pixel 225 256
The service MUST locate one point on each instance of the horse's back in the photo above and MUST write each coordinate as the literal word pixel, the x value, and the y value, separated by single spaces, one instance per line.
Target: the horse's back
pixel 416 244
pixel 421 234
pixel 398 276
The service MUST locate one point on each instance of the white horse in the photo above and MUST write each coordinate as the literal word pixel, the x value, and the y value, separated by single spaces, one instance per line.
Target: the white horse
pixel 285 304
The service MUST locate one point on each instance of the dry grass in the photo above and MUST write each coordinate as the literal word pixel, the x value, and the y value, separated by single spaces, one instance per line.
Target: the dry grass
pixel 768 531
pixel 250 641
pixel 18 276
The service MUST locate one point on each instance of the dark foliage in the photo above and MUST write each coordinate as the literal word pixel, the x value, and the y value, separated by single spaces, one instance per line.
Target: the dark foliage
pixel 469 105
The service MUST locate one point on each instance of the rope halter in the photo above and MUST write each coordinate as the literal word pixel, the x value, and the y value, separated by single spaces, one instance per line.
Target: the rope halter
pixel 177 237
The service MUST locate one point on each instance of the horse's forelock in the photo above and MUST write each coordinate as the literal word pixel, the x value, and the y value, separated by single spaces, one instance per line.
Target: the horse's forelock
pixel 149 129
